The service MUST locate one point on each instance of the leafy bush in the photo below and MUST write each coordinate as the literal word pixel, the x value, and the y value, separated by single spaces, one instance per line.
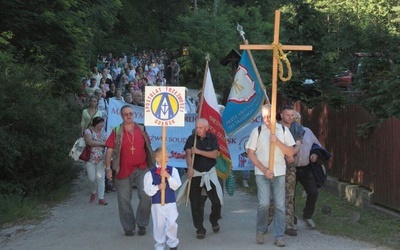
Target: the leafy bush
pixel 36 132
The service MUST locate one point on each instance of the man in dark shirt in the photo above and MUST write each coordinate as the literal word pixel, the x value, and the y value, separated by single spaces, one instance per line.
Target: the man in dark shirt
pixel 201 154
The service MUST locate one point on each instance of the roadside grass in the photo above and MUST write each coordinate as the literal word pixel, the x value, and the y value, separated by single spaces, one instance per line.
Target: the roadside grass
pixel 344 218
pixel 351 221
pixel 16 210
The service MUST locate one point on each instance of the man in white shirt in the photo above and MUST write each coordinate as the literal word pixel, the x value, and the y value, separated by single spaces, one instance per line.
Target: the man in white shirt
pixel 258 152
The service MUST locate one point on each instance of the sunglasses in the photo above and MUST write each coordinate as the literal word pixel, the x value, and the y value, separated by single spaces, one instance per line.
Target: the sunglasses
pixel 127 114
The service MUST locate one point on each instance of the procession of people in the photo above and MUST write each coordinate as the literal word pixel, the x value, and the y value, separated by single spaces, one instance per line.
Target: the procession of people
pixel 128 160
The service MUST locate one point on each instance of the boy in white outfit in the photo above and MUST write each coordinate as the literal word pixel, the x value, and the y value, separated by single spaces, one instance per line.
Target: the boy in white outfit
pixel 165 228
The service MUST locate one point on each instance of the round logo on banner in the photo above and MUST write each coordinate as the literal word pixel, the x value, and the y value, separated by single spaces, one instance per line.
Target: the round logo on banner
pixel 164 106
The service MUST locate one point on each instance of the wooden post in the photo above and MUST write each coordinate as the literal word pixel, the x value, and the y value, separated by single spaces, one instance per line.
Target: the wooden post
pixel 274 75
pixel 163 161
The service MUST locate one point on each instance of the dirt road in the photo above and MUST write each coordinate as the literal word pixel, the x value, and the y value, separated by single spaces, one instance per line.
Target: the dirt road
pixel 77 224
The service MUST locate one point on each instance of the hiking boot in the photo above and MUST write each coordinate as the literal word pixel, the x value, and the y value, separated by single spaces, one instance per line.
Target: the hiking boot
pixel 310 223
pixel 291 232
pixel 141 231
pixel 260 237
pixel 279 243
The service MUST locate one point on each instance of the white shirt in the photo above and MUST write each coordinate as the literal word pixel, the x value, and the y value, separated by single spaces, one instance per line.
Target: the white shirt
pixel 261 144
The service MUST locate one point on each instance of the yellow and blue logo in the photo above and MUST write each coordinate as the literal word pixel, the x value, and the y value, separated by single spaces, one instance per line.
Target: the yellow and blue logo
pixel 165 106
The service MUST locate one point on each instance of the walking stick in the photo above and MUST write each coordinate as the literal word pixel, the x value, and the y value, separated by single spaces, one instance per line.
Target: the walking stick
pixel 190 180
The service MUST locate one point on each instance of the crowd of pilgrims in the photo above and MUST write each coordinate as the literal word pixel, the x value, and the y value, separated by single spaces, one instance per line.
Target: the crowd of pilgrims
pixel 125 78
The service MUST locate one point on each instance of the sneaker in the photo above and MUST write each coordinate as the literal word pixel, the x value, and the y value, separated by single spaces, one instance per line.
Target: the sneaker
pixel 141 231
pixel 279 243
pixel 103 202
pixel 291 232
pixel 295 227
pixel 260 237
pixel 201 234
pixel 129 233
pixel 245 183
pixel 215 228
pixel 92 198
pixel 310 223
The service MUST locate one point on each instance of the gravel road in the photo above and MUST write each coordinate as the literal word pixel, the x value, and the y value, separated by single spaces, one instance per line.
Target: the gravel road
pixel 77 224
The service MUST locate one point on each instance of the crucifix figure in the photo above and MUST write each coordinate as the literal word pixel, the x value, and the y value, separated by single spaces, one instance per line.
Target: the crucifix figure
pixel 275 61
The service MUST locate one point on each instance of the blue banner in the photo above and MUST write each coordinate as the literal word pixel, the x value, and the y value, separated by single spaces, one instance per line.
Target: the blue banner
pixel 245 98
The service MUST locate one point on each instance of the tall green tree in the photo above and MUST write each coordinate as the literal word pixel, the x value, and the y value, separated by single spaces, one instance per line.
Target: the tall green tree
pixel 216 35
pixel 57 35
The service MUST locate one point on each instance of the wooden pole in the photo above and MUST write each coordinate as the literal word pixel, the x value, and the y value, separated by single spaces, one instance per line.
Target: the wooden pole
pixel 274 75
pixel 274 90
pixel 190 180
pixel 163 161
pixel 198 115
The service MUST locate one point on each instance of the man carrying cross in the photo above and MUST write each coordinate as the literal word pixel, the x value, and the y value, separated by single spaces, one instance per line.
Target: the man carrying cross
pixel 270 181
pixel 129 148
pixel 268 175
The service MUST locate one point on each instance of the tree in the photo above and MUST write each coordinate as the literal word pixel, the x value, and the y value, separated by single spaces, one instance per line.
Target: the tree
pixel 58 35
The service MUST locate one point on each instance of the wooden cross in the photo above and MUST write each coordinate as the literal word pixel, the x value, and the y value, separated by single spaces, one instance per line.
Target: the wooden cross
pixel 274 75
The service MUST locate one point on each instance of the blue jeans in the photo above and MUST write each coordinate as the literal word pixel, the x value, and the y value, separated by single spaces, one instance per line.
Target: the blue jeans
pixel 264 186
pixel 245 174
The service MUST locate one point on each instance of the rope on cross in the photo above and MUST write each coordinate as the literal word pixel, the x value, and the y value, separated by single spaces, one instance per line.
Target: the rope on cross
pixel 276 46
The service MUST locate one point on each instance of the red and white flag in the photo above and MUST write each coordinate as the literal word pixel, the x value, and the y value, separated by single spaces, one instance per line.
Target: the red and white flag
pixel 209 110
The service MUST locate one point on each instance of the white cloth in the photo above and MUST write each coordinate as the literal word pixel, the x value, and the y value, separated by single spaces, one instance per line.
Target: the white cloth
pixel 77 149
pixel 260 142
pixel 207 178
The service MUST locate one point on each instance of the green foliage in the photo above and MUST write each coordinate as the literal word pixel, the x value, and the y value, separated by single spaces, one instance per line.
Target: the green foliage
pixel 56 42
pixel 36 132
pixel 216 35
pixel 205 34
pixel 14 208
pixel 57 35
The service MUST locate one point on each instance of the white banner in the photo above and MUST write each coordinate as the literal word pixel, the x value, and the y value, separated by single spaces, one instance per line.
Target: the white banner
pixel 165 106
pixel 177 136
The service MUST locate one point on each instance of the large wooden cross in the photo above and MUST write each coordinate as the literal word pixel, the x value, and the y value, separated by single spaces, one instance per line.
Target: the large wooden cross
pixel 274 75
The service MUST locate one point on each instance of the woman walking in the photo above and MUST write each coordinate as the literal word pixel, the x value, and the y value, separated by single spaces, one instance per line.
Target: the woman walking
pixel 95 137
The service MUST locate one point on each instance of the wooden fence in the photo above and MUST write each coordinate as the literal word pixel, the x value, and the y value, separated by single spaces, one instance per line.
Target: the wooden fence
pixel 372 162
